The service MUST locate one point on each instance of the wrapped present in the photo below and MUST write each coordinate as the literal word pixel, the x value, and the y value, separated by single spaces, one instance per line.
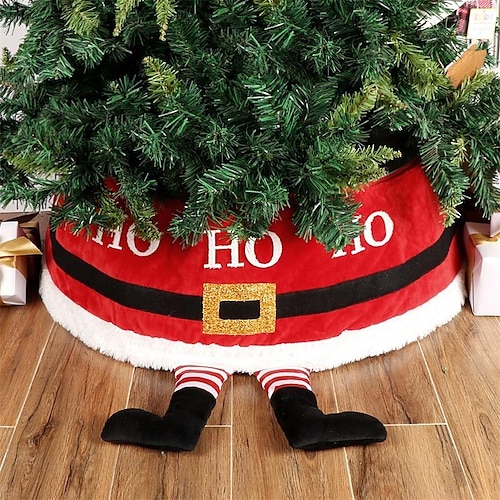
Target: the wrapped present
pixel 15 250
pixel 495 218
pixel 483 253
pixel 494 224
pixel 31 229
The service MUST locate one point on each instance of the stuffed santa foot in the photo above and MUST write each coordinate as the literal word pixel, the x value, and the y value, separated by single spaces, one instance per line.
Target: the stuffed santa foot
pixel 305 426
pixel 178 430
pixel 190 407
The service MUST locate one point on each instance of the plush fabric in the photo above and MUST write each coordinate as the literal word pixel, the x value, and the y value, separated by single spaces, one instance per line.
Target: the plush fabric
pixel 178 430
pixel 274 379
pixel 157 353
pixel 273 303
pixel 207 378
pixel 154 304
pixel 306 427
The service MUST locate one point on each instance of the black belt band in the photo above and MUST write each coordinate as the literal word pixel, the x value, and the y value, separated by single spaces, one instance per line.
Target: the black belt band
pixel 303 302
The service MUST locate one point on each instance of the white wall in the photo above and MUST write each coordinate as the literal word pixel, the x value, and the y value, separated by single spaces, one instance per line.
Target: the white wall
pixel 11 38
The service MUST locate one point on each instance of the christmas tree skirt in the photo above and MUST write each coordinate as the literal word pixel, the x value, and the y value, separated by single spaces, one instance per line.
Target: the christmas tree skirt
pixel 275 301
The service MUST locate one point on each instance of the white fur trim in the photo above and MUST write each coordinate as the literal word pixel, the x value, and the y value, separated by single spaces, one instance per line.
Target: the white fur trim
pixel 156 353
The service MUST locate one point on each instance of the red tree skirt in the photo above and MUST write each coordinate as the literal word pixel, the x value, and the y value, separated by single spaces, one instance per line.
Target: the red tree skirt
pixel 277 301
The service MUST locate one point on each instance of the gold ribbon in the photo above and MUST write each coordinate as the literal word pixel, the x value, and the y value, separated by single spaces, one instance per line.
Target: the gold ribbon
pixel 11 250
pixel 479 238
pixel 17 247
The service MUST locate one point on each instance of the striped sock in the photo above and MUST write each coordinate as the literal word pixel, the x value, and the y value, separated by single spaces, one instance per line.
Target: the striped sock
pixel 204 377
pixel 274 379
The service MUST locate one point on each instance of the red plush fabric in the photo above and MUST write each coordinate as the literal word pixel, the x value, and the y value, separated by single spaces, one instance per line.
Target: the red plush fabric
pixel 403 222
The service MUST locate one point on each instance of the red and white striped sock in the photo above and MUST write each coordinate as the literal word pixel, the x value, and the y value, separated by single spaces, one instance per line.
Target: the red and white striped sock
pixel 204 377
pixel 274 379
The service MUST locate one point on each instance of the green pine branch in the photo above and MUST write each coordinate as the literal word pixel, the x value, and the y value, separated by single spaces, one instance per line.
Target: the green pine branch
pixel 165 12
pixel 425 75
pixel 162 79
pixel 81 16
pixel 238 108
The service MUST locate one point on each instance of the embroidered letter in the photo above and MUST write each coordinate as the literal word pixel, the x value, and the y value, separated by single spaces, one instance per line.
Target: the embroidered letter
pixel 370 240
pixel 117 234
pixel 153 245
pixel 277 251
pixel 212 251
pixel 388 225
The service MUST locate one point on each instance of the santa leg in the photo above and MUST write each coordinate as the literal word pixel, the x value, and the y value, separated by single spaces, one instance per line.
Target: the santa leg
pixel 305 426
pixel 195 393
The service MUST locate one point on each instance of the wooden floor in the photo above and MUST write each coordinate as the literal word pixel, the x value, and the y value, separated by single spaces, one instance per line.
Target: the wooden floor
pixel 439 398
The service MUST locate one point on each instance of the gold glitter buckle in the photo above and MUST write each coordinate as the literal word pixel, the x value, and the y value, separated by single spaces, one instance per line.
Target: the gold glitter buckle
pixel 239 309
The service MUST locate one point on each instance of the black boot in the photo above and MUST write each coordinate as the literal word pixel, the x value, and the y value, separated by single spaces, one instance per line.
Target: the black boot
pixel 308 428
pixel 178 430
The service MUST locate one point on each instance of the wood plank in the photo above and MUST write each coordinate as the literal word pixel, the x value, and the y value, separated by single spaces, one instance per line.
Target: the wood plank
pixel 395 387
pixel 57 451
pixel 23 334
pixel 204 473
pixel 416 462
pixel 463 358
pixel 5 436
pixel 265 466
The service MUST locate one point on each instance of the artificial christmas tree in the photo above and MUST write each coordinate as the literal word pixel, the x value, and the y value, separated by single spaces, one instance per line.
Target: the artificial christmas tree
pixel 181 124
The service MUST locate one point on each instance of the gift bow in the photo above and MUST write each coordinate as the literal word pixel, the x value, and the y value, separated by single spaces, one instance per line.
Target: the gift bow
pixel 12 249
pixel 16 248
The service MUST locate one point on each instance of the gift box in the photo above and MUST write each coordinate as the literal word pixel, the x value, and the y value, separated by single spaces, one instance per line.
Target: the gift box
pixel 494 224
pixel 495 218
pixel 483 254
pixel 31 229
pixel 15 252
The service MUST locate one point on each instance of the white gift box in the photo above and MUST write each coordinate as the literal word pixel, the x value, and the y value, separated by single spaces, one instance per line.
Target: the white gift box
pixel 495 218
pixel 12 280
pixel 494 224
pixel 483 254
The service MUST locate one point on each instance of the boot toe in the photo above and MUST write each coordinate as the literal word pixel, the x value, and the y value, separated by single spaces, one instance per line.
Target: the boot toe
pixel 341 429
pixel 131 426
